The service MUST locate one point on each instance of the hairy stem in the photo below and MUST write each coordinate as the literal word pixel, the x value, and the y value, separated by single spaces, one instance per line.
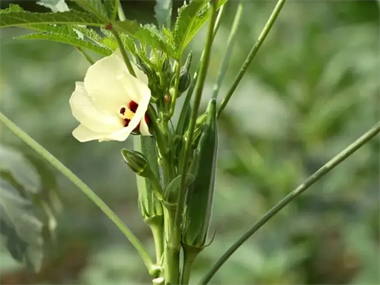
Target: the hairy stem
pixel 292 195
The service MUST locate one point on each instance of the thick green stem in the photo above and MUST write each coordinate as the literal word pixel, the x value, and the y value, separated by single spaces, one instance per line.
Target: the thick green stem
pixel 252 54
pixel 189 256
pixel 82 186
pixel 158 237
pixel 292 195
pixel 172 248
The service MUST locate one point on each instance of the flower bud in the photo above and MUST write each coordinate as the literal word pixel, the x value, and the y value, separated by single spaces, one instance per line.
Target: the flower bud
pixel 184 77
pixel 137 162
pixel 200 196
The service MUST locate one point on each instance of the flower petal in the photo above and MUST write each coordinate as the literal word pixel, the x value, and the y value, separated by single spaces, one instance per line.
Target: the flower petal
pixel 101 81
pixel 84 134
pixel 135 88
pixel 139 73
pixel 86 113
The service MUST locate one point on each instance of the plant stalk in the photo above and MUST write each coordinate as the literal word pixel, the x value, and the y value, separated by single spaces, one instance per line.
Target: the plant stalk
pixel 189 257
pixel 321 172
pixel 172 248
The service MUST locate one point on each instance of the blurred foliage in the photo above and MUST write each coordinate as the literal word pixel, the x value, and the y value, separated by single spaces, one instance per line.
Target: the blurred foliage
pixel 311 91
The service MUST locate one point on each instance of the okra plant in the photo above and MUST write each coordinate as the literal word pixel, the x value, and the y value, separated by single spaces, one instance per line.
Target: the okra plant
pixel 131 93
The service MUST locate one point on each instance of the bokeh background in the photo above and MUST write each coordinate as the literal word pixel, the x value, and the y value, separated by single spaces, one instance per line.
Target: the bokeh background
pixel 312 89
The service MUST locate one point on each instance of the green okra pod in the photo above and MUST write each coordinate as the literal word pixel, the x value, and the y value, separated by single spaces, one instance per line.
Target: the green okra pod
pixel 200 196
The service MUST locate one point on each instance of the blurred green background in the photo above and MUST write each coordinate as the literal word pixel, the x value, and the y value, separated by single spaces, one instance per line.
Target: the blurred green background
pixel 313 89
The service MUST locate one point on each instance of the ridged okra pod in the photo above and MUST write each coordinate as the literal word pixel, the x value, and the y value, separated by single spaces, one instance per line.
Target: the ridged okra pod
pixel 200 195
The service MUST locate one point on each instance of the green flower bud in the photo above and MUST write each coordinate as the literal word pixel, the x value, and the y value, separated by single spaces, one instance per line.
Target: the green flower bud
pixel 184 77
pixel 201 194
pixel 137 162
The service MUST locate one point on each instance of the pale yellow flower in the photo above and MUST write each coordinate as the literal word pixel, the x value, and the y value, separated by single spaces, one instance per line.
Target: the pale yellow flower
pixel 110 103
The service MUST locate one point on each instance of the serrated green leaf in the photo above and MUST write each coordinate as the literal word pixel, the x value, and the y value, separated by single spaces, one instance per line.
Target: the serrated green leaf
pixel 20 169
pixel 54 5
pixel 190 20
pixel 94 7
pixel 11 8
pixel 147 34
pixel 20 229
pixel 111 7
pixel 163 12
pixel 23 18
pixel 68 40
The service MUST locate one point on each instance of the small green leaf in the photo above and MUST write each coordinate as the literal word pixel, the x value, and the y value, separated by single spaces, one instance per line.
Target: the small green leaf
pixel 190 20
pixel 21 231
pixel 68 40
pixel 94 7
pixel 23 18
pixel 147 34
pixel 54 5
pixel 163 12
pixel 172 189
pixel 20 169
pixel 111 7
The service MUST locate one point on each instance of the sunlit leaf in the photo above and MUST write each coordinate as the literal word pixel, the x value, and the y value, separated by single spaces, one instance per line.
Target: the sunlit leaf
pixel 190 20
pixel 23 18
pixel 54 5
pixel 21 231
pixel 68 40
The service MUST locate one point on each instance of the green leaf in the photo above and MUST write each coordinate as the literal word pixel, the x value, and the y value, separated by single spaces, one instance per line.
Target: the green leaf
pixel 190 20
pixel 54 37
pixel 147 34
pixel 94 7
pixel 163 12
pixel 12 8
pixel 111 7
pixel 20 230
pixel 172 189
pixel 54 5
pixel 13 163
pixel 23 18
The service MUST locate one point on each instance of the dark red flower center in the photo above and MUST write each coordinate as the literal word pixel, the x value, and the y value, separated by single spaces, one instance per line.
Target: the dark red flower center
pixel 132 106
